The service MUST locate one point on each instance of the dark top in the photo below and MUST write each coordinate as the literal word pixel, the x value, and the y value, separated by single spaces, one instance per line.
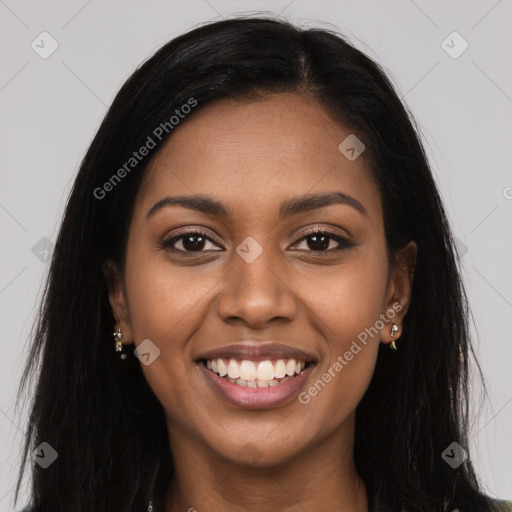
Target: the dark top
pixel 503 505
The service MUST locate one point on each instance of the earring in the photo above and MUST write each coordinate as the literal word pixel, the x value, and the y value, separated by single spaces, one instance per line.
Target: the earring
pixel 118 336
pixel 394 328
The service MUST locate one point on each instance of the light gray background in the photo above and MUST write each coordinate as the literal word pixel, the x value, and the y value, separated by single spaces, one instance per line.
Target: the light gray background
pixel 50 109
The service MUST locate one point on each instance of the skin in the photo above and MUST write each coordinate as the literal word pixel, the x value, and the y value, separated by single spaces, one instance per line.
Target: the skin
pixel 252 156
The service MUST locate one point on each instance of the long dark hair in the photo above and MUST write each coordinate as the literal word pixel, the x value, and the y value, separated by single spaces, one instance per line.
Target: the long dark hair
pixel 100 414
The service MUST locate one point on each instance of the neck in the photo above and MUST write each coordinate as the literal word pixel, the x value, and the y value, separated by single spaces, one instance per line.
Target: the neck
pixel 321 479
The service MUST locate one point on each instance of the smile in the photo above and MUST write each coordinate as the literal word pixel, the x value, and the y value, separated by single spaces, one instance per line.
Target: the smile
pixel 256 374
pixel 251 384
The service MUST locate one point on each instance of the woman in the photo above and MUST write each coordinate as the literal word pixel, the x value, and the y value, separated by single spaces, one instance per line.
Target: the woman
pixel 256 233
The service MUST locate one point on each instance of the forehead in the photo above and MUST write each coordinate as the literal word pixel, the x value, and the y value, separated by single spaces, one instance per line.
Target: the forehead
pixel 258 152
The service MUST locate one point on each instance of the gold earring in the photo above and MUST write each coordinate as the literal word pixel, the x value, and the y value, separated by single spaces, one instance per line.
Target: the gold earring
pixel 394 328
pixel 118 336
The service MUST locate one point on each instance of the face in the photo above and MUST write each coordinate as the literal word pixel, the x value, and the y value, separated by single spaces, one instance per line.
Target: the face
pixel 203 286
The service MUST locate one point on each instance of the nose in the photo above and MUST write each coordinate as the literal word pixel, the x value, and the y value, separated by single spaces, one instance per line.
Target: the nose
pixel 256 293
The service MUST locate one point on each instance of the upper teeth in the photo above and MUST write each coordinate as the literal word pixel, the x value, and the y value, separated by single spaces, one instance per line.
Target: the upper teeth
pixel 249 370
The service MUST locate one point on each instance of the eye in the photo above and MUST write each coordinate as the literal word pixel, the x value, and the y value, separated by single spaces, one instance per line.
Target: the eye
pixel 319 240
pixel 191 241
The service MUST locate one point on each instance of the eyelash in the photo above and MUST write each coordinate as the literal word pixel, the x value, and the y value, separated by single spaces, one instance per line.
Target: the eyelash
pixel 169 242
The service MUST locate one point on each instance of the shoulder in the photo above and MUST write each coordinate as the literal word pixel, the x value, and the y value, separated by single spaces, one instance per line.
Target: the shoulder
pixel 502 506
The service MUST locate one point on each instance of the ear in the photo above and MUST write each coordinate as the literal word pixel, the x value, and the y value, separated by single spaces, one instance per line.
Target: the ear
pixel 118 300
pixel 398 294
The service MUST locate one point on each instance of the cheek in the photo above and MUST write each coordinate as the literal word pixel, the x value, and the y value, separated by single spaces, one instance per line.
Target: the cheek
pixel 343 376
pixel 163 299
pixel 349 300
pixel 166 306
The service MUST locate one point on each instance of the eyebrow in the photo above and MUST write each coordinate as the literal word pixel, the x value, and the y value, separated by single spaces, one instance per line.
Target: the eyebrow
pixel 294 206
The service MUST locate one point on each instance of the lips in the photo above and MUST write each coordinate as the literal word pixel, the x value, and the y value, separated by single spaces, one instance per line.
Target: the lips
pixel 256 375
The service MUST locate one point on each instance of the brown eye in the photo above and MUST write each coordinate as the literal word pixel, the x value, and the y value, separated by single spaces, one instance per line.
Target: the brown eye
pixel 319 241
pixel 191 241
